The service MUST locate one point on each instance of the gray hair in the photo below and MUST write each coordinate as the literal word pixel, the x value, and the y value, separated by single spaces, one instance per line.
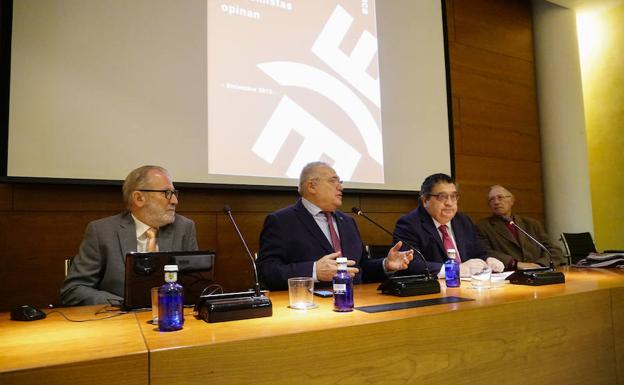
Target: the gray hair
pixel 308 173
pixel 501 186
pixel 138 179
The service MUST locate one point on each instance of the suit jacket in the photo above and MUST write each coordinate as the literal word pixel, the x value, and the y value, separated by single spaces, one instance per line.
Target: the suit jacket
pixel 97 272
pixel 418 229
pixel 503 245
pixel 291 241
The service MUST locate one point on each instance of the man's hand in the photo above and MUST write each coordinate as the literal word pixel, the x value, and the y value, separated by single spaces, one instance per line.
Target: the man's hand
pixel 326 267
pixel 398 260
pixel 495 265
pixel 475 263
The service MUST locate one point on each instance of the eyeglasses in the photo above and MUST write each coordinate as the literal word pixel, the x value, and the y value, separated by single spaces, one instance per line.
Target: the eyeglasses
pixel 443 197
pixel 499 197
pixel 168 193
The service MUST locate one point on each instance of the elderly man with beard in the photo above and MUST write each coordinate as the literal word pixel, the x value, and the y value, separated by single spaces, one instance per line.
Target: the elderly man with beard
pixel 149 223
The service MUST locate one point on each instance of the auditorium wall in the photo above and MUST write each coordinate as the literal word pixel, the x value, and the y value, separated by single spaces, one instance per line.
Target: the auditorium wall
pixel 496 140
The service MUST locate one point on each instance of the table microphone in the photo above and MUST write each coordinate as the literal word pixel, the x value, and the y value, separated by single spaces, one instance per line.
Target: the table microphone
pixel 539 276
pixel 227 210
pixel 235 306
pixel 405 285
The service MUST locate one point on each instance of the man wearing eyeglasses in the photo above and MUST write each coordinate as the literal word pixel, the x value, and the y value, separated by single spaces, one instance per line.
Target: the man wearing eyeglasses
pixel 304 240
pixel 149 223
pixel 435 226
pixel 510 246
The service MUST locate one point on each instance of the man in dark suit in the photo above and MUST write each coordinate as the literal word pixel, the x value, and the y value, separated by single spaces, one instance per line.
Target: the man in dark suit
pixel 507 243
pixel 149 224
pixel 304 240
pixel 435 226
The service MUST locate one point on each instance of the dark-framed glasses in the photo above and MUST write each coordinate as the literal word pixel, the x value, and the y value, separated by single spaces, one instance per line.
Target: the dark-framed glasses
pixel 443 197
pixel 168 193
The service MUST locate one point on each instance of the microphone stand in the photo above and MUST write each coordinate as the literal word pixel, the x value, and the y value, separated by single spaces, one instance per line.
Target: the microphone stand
pixel 405 285
pixel 235 306
pixel 539 276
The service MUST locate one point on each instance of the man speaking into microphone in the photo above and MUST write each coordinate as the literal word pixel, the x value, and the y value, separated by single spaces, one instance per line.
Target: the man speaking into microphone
pixel 509 245
pixel 435 226
pixel 304 240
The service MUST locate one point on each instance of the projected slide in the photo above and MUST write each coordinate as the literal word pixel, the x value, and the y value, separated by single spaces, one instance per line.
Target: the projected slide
pixel 290 82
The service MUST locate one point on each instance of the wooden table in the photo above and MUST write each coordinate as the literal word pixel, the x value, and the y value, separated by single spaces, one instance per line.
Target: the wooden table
pixel 571 333
pixel 56 351
pixel 560 334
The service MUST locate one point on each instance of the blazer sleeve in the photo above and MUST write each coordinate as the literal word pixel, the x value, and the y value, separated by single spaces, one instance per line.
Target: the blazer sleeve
pixel 483 230
pixel 85 274
pixel 275 260
pixel 540 234
pixel 190 236
pixel 407 232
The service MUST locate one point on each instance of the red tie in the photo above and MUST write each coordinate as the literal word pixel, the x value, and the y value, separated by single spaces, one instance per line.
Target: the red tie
pixel 447 242
pixel 513 230
pixel 332 232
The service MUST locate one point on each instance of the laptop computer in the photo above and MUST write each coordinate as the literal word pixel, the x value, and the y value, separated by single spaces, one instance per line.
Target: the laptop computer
pixel 146 270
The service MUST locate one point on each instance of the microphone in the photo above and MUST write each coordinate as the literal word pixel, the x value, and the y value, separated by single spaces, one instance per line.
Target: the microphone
pixel 360 213
pixel 539 276
pixel 512 223
pixel 405 285
pixel 235 306
pixel 227 210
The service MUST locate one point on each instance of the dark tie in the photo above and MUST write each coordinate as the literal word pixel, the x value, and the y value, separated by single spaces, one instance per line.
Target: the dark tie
pixel 332 232
pixel 447 242
pixel 513 230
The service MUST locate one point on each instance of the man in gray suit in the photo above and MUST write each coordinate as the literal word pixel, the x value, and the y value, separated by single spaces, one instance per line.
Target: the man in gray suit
pixel 148 224
pixel 506 243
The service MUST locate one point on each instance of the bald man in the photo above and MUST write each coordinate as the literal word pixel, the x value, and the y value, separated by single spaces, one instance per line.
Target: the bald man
pixel 508 244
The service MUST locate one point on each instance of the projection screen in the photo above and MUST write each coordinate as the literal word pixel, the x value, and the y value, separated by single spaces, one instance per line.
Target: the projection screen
pixel 240 92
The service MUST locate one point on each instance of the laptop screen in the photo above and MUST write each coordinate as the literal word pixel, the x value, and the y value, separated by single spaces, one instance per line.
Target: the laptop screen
pixel 146 270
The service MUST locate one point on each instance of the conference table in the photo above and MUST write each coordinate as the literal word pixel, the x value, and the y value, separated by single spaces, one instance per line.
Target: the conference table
pixel 570 333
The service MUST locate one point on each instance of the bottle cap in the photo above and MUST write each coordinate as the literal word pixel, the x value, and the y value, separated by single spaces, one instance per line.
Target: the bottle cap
pixel 171 267
pixel 341 260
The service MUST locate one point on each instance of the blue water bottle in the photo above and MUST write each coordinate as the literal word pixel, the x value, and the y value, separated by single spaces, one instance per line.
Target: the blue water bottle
pixel 343 287
pixel 170 301
pixel 451 269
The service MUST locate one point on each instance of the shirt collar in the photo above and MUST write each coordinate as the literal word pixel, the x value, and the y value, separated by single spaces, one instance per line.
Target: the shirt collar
pixel 139 226
pixel 311 207
pixel 438 224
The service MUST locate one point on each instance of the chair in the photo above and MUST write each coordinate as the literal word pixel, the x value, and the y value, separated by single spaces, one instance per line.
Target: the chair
pixel 577 246
pixel 376 252
pixel 68 263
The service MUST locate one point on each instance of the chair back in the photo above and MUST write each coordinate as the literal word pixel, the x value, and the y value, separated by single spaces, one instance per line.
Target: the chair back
pixel 578 245
pixel 376 252
pixel 68 263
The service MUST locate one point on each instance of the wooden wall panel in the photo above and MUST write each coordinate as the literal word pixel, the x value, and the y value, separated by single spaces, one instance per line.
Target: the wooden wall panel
pixel 500 26
pixel 496 140
pixel 6 197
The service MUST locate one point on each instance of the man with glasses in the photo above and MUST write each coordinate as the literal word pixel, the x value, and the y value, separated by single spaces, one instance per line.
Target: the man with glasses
pixel 509 245
pixel 148 224
pixel 304 240
pixel 435 226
